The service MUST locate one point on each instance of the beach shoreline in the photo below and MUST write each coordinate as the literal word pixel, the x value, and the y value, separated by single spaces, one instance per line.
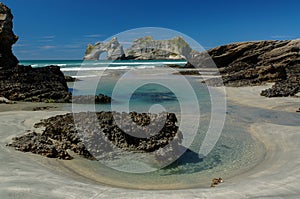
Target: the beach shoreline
pixel 276 175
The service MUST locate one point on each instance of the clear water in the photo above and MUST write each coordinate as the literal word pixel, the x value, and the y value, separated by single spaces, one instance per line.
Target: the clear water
pixel 234 152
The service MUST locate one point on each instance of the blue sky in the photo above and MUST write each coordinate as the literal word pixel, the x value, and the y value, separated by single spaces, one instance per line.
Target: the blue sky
pixel 61 29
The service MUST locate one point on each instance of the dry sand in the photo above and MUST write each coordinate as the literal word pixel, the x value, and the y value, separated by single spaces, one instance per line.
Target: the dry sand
pixel 277 176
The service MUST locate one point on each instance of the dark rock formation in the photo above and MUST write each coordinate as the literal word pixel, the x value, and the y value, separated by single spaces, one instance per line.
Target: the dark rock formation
pixel 70 79
pixel 20 83
pixel 43 108
pixel 7 38
pixel 255 63
pixel 25 83
pixel 91 99
pixel 113 48
pixel 97 134
pixel 288 86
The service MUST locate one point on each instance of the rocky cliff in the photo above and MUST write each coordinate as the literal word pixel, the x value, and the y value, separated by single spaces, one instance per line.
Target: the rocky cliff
pixel 7 38
pixel 255 63
pixel 23 82
pixel 113 48
pixel 145 48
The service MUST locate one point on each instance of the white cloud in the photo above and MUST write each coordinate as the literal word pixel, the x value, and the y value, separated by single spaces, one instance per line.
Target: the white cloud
pixel 45 40
pixel 282 36
pixel 71 46
pixel 19 45
pixel 94 35
pixel 48 37
pixel 47 47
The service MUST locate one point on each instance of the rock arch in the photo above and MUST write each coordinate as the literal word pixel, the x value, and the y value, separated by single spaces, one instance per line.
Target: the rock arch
pixel 113 48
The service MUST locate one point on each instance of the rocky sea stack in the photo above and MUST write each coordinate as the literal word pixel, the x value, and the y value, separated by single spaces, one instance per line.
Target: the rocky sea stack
pixel 93 135
pixel 24 83
pixel 7 38
pixel 145 48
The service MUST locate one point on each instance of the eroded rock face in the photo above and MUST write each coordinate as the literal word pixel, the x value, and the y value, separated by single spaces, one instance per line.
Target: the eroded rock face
pixel 97 134
pixel 147 48
pixel 7 38
pixel 113 48
pixel 255 63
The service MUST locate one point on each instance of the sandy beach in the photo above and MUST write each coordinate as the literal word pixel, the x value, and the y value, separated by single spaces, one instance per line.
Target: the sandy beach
pixel 276 176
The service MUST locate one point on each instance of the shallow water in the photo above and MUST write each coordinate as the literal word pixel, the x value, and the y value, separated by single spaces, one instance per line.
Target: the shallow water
pixel 155 91
pixel 234 153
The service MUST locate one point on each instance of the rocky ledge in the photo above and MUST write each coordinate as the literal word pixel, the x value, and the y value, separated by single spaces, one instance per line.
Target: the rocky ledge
pixel 256 63
pixel 92 135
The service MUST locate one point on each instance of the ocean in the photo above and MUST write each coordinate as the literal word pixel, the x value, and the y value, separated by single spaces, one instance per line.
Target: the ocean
pixel 75 65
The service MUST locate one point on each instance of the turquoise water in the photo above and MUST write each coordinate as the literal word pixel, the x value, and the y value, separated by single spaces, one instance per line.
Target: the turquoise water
pixel 74 65
pixel 148 86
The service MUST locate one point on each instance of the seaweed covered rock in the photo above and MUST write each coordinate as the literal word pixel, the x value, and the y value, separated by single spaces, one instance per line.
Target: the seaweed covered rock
pixel 92 135
pixel 25 83
pixel 287 87
pixel 91 99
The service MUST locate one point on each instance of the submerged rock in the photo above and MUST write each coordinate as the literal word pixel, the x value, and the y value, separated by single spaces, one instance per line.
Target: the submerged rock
pixel 94 134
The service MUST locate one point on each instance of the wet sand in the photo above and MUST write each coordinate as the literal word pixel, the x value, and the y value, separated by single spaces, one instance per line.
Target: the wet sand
pixel 277 175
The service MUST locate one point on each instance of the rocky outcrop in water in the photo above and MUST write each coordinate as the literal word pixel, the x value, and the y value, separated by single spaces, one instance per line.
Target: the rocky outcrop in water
pixel 255 63
pixel 97 134
pixel 71 79
pixel 7 38
pixel 145 48
pixel 113 48
pixel 91 99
